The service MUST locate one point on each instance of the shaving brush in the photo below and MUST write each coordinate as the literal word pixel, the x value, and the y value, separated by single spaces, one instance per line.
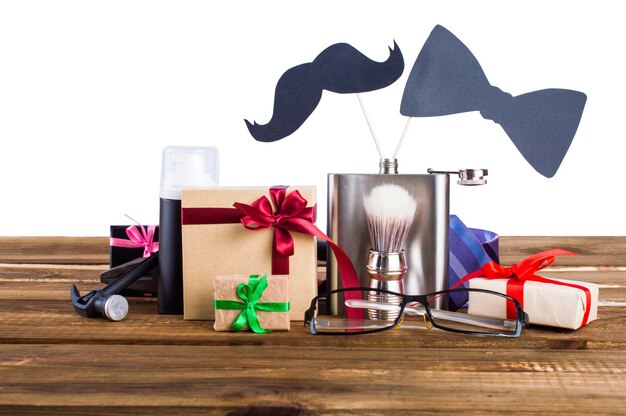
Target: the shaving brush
pixel 390 211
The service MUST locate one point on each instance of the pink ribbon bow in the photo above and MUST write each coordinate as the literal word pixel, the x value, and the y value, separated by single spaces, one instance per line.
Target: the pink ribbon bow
pixel 138 237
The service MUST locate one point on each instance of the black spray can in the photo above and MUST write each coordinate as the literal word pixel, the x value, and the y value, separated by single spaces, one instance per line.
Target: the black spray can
pixel 183 167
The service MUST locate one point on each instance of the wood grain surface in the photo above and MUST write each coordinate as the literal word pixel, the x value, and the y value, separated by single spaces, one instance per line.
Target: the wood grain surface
pixel 593 251
pixel 54 362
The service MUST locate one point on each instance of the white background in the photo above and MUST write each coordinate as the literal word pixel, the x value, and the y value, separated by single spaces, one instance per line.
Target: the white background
pixel 91 92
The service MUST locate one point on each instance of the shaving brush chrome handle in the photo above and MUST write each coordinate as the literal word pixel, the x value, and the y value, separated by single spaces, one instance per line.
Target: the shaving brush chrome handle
pixel 386 266
pixel 386 271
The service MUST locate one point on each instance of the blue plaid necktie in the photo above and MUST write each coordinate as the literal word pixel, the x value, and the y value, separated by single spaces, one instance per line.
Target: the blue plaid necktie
pixel 469 249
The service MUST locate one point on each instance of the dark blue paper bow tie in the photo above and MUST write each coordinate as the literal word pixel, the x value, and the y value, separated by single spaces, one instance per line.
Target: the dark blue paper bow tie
pixel 447 79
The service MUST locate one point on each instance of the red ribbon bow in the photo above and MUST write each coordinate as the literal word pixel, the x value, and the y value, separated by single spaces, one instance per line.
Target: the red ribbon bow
pixel 138 237
pixel 523 271
pixel 291 214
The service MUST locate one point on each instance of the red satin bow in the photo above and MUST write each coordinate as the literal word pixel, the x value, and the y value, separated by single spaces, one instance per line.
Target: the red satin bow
pixel 523 271
pixel 291 214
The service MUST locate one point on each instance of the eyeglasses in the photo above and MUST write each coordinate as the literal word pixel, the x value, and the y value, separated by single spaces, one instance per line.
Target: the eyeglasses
pixel 364 310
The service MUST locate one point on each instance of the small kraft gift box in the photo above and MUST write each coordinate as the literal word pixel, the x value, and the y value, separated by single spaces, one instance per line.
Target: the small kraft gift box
pixel 552 302
pixel 256 303
pixel 243 230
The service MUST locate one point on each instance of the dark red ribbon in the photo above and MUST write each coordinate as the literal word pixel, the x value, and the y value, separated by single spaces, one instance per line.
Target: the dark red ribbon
pixel 289 213
pixel 523 271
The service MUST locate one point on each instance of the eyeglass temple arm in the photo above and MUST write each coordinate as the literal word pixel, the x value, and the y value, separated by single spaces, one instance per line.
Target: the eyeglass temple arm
pixel 436 313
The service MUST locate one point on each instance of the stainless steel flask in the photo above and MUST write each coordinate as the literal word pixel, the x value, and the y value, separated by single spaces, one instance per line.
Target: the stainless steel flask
pixel 426 249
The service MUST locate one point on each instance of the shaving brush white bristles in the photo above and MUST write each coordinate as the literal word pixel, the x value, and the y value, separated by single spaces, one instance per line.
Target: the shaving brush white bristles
pixel 390 211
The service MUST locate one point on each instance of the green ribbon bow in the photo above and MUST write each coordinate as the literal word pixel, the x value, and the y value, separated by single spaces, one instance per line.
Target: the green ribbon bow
pixel 250 293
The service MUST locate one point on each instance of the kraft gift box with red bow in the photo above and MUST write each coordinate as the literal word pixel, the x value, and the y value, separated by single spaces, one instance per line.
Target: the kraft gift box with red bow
pixel 249 231
pixel 552 302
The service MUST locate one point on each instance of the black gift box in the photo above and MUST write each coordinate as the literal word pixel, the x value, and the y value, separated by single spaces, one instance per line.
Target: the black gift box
pixel 118 256
pixel 121 255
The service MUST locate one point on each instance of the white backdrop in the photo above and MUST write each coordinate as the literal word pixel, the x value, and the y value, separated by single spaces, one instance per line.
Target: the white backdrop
pixel 91 92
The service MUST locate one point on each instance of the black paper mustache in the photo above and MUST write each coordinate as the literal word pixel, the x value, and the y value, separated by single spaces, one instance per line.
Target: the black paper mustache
pixel 340 68
pixel 447 79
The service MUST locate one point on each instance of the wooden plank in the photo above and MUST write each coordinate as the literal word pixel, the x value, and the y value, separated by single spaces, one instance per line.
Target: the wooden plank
pixel 50 273
pixel 55 322
pixel 54 250
pixel 593 250
pixel 60 291
pixel 32 281
pixel 316 379
pixel 606 277
pixel 91 273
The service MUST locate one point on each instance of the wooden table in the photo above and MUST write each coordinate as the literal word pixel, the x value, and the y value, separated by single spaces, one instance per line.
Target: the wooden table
pixel 54 362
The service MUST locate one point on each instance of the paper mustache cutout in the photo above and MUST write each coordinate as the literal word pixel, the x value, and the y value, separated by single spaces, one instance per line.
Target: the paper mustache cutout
pixel 447 79
pixel 339 68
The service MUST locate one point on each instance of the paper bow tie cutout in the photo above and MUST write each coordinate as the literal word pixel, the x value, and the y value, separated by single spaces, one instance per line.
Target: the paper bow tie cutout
pixel 447 79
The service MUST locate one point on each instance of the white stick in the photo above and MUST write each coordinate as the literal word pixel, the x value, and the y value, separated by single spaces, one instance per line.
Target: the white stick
pixel 380 153
pixel 406 127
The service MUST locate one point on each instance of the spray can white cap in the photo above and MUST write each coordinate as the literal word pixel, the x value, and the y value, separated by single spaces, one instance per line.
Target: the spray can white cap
pixel 188 167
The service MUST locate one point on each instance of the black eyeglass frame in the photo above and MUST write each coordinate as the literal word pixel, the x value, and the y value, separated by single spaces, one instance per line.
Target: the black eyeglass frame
pixel 522 317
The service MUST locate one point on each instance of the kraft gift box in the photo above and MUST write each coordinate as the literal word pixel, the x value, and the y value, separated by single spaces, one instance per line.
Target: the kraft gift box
pixel 213 245
pixel 277 291
pixel 545 303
